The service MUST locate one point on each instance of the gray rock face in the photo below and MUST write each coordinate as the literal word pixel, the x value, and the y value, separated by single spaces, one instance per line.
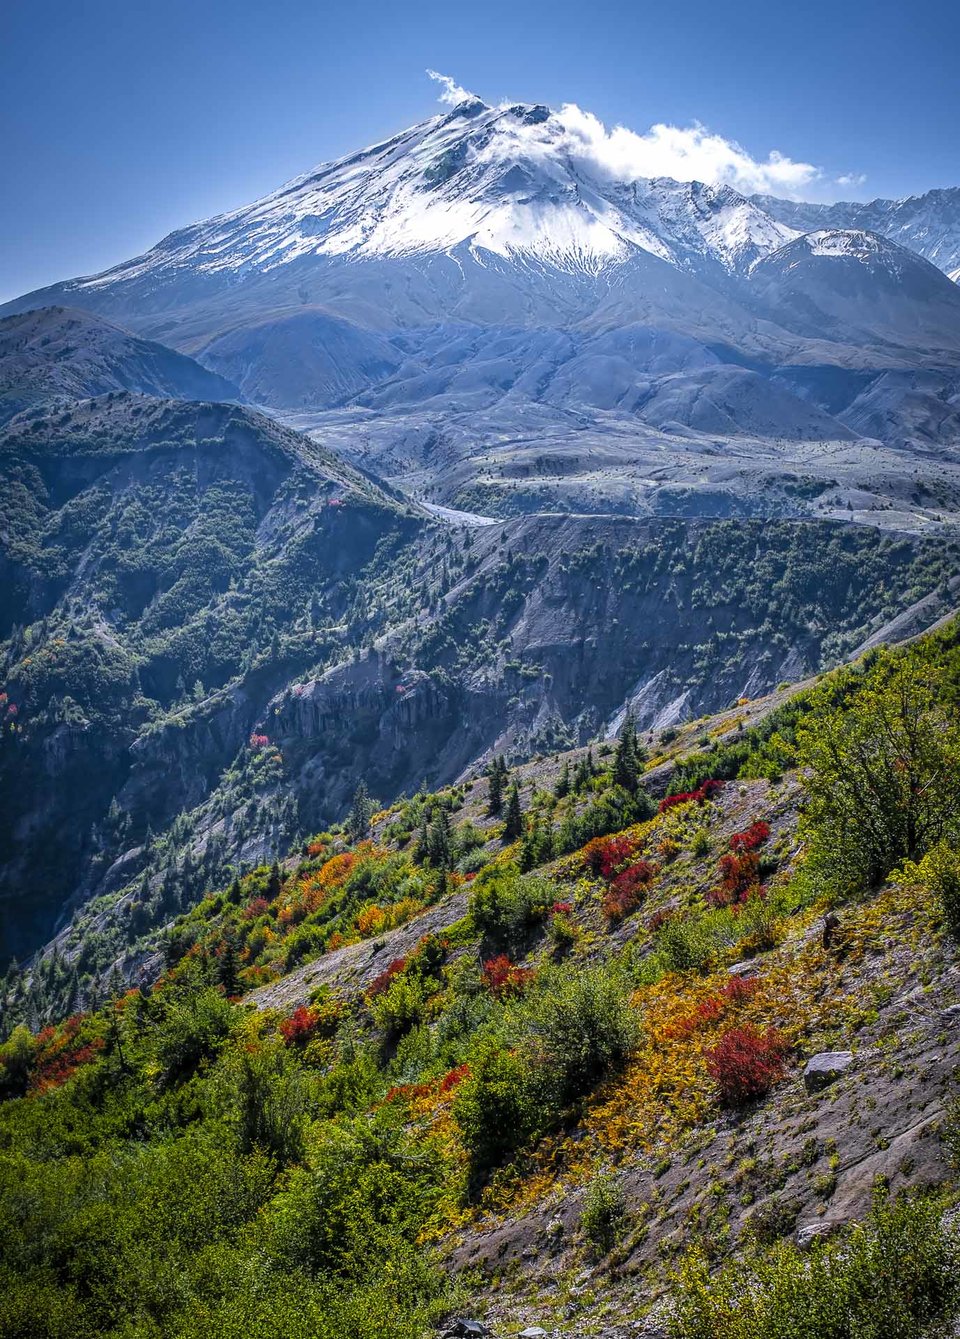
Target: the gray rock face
pixel 746 969
pixel 825 1068
pixel 812 1232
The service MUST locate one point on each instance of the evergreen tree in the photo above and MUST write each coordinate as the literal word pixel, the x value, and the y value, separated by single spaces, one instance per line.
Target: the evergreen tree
pixel 440 845
pixel 361 812
pixel 228 967
pixel 421 852
pixel 498 781
pixel 274 883
pixel 562 788
pixel 628 757
pixel 513 821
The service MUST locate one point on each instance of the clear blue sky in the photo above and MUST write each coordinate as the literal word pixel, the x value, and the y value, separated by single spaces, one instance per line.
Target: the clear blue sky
pixel 123 119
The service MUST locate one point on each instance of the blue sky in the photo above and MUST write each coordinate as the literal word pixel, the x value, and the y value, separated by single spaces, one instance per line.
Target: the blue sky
pixel 123 119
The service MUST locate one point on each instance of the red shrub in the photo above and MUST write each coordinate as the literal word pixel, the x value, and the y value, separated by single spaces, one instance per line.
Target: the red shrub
pixel 300 1027
pixel 627 890
pixel 705 791
pixel 603 855
pixel 710 1009
pixel 739 876
pixel 658 919
pixel 752 837
pixel 561 909
pixel 60 1053
pixel 453 1078
pixel 383 982
pixel 255 907
pixel 503 977
pixel 740 988
pixel 259 741
pixel 746 1063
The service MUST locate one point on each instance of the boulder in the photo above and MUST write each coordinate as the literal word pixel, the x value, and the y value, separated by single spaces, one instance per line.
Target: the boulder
pixel 825 1068
pixel 462 1328
pixel 811 1232
pixel 747 969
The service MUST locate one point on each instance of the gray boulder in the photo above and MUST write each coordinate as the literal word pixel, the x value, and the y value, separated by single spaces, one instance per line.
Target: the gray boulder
pixel 811 1232
pixel 825 1068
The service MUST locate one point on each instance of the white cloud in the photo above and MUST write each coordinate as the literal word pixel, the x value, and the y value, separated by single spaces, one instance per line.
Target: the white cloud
pixel 691 153
pixel 451 92
pixel 685 153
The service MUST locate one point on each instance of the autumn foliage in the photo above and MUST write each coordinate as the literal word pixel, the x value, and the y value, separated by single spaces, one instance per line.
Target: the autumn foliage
pixel 740 867
pixel 752 837
pixel 604 855
pixel 703 792
pixel 503 977
pixel 627 890
pixel 301 1027
pixel 746 1063
pixel 382 983
pixel 60 1052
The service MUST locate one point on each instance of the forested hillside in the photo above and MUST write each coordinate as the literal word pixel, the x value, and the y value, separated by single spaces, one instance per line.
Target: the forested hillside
pixel 629 1034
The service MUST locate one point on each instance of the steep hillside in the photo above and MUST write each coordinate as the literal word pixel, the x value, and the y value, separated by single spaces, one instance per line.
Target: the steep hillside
pixel 831 283
pixel 155 552
pixel 650 1038
pixel 227 628
pixel 53 356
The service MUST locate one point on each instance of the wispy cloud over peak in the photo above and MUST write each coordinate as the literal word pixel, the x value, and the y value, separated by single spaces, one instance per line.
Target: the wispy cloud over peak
pixel 451 92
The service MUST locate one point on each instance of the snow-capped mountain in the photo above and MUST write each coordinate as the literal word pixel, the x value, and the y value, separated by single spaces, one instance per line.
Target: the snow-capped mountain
pixel 835 283
pixel 928 224
pixel 482 269
pixel 498 181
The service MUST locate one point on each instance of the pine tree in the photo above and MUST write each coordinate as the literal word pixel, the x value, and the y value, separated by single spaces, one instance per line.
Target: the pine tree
pixel 228 967
pixel 440 845
pixel 626 762
pixel 498 781
pixel 562 788
pixel 274 883
pixel 361 812
pixel 421 852
pixel 513 821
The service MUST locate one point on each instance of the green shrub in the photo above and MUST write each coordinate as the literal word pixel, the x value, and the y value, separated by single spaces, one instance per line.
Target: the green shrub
pixel 604 1212
pixel 939 870
pixel 193 1032
pixel 505 904
pixel 500 1108
pixel 584 1026
pixel 882 772
pixel 890 1277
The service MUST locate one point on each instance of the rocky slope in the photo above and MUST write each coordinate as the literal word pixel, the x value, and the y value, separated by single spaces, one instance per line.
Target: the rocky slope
pixel 928 224
pixel 53 356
